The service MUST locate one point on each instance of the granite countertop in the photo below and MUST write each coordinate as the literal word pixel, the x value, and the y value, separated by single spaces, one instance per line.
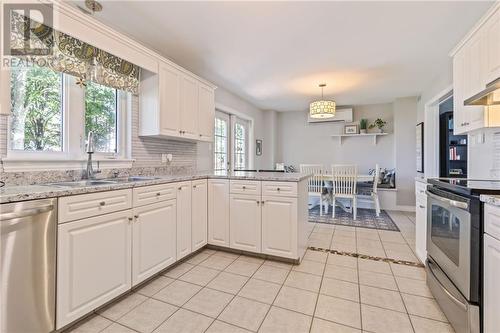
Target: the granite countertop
pixel 42 191
pixel 490 199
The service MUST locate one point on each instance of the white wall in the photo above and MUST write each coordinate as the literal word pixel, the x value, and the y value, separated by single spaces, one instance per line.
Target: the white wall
pixel 300 142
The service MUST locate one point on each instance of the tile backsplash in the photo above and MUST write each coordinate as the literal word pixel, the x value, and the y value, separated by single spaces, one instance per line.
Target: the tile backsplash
pixel 145 151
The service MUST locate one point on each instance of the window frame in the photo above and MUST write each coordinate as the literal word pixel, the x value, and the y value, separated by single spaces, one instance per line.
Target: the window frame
pixel 224 117
pixel 238 121
pixel 73 141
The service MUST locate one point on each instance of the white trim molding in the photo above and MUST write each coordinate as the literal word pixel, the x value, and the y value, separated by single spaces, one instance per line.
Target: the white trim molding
pixel 27 165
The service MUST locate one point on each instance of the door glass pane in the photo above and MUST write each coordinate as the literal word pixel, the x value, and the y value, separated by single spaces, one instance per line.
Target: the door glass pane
pixel 445 232
pixel 239 146
pixel 37 109
pixel 220 143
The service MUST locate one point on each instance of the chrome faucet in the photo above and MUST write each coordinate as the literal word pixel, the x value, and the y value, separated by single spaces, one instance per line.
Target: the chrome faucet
pixel 90 173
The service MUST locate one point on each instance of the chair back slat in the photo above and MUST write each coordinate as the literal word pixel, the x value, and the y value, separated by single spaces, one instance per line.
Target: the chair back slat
pixel 376 177
pixel 344 179
pixel 315 182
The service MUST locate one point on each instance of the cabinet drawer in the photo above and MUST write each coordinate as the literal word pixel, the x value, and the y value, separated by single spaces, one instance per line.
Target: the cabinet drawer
pixel 280 189
pixel 245 187
pixel 151 194
pixel 492 220
pixel 93 204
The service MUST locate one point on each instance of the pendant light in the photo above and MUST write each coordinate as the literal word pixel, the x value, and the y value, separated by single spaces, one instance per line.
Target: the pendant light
pixel 322 109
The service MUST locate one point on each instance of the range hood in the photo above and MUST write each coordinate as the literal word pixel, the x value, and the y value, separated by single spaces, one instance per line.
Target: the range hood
pixel 489 96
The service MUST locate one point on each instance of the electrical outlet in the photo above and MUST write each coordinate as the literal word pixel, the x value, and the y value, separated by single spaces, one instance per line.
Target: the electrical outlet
pixel 166 158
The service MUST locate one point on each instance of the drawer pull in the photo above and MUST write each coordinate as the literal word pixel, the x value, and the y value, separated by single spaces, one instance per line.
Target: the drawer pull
pixel 243 187
pixel 130 219
pixel 194 186
pixel 423 207
pixel 180 188
pixel 258 202
pixel 278 189
pixel 158 194
pixel 262 202
pixel 102 203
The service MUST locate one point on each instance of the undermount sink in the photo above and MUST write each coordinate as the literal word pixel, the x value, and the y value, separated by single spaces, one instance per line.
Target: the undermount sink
pixel 83 183
pixel 132 179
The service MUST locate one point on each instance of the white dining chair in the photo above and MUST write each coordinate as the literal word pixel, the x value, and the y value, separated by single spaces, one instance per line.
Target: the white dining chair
pixel 315 184
pixel 344 179
pixel 373 196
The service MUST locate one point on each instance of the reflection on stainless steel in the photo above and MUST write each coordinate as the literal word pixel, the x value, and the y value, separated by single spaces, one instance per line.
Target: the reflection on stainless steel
pixel 27 266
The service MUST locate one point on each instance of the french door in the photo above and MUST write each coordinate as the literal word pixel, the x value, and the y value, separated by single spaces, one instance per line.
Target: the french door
pixel 230 142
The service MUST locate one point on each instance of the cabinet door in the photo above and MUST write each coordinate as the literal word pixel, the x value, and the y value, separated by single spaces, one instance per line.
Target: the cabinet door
pixel 421 227
pixel 492 36
pixel 170 98
pixel 183 219
pixel 206 112
pixel 245 222
pixel 199 214
pixel 279 226
pixel 153 239
pixel 218 212
pixel 93 263
pixel 189 107
pixel 459 113
pixel 474 80
pixel 491 289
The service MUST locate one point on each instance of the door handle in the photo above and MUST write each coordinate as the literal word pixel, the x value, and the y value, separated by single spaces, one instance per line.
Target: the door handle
pixel 454 203
pixel 26 212
pixel 453 298
pixel 423 207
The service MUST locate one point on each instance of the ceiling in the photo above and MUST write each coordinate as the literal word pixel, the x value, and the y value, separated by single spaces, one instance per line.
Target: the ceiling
pixel 274 54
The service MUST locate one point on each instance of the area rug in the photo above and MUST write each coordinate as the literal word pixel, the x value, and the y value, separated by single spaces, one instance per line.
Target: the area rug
pixel 366 219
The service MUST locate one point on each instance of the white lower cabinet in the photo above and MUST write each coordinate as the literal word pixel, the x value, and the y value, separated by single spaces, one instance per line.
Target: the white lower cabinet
pixel 153 239
pixel 279 226
pixel 93 263
pixel 218 212
pixel 245 222
pixel 491 319
pixel 421 221
pixel 199 211
pixel 183 219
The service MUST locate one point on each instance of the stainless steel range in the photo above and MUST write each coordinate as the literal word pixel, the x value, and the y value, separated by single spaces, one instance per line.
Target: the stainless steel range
pixel 454 243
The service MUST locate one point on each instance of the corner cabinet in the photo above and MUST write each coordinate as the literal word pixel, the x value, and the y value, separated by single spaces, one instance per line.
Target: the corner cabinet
pixel 175 104
pixel 475 64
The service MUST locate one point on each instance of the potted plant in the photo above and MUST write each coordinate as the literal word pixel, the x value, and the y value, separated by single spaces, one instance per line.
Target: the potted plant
pixel 379 123
pixel 363 125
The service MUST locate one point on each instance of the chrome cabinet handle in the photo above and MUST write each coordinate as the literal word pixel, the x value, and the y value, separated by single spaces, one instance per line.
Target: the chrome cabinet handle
pixel 130 219
pixel 421 206
pixel 258 202
pixel 194 186
pixel 443 288
pixel 158 194
pixel 102 203
pixel 244 187
pixel 180 188
pixel 278 189
pixel 454 203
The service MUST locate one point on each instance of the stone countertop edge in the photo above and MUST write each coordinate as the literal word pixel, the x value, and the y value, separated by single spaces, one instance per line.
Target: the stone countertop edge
pixel 421 179
pixel 10 194
pixel 490 199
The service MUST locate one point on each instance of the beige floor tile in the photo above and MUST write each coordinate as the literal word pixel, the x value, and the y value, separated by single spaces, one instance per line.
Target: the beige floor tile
pixel 316 256
pixel 391 236
pixel 271 274
pixel 154 286
pixel 380 320
pixel 209 302
pixel 377 280
pixel 311 267
pixel 304 281
pixel 363 235
pixel 148 315
pixel 198 258
pixel 341 289
pixel 178 270
pixel 338 260
pixel 423 307
pixel 199 275
pixel 208 251
pixel 338 310
pixel 184 321
pixel 406 256
pixel 374 266
pixel 371 251
pixel 422 325
pixel 320 236
pixel 118 309
pixel 228 254
pixel 242 268
pixel 94 324
pixel 345 232
pixel 284 321
pixel 398 247
pixel 177 293
pixel 322 244
pixel 278 264
pixel 341 273
pixel 217 262
pixel 259 290
pixel 299 300
pixel 252 259
pixel 228 282
pixel 375 243
pixel 324 326
pixel 417 273
pixel 383 298
pixel 244 313
pixel 117 328
pixel 413 287
pixel 345 228
pixel 350 240
pixel 221 327
pixel 350 248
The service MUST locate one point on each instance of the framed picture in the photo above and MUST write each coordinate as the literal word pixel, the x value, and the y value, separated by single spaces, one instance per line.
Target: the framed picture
pixel 258 147
pixel 420 147
pixel 351 129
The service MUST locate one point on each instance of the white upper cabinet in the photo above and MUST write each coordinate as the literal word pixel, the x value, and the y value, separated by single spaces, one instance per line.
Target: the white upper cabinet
pixel 475 64
pixel 176 104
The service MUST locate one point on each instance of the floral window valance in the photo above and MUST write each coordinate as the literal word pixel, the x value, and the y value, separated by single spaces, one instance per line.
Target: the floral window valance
pixel 64 53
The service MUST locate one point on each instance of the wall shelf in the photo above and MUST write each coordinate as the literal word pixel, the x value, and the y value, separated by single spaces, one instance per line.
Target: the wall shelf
pixel 374 136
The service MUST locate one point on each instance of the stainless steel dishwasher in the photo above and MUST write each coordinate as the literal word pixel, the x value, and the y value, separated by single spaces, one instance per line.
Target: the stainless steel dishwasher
pixel 28 266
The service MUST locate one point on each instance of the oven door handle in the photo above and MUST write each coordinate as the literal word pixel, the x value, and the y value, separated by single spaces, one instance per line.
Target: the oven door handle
pixel 443 288
pixel 454 203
